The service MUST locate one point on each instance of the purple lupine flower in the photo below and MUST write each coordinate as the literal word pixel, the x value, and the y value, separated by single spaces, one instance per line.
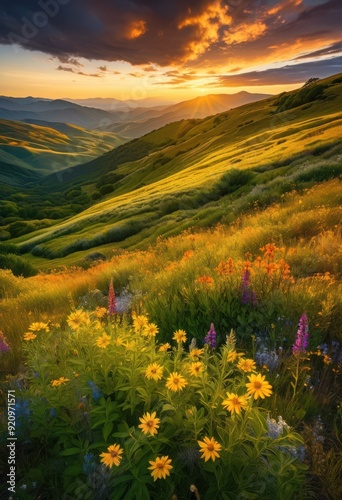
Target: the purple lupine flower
pixel 210 338
pixel 111 299
pixel 248 295
pixel 4 347
pixel 302 338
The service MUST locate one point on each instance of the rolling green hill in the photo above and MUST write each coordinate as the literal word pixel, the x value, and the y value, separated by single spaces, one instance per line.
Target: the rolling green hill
pixel 194 173
pixel 48 147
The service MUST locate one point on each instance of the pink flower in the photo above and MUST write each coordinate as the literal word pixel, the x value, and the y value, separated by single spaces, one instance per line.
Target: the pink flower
pixel 302 338
pixel 111 299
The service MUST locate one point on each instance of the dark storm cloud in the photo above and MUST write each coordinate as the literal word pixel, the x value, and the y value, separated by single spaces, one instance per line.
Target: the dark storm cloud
pixel 166 32
pixel 295 74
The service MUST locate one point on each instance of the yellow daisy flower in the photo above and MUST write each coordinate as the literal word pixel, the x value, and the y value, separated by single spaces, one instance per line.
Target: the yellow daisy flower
pixel 139 322
pixel 154 371
pixel 78 318
pixel 233 356
pixel 164 347
pixel 258 386
pixel 196 368
pixel 119 341
pixel 150 330
pixel 29 336
pixel 113 457
pixel 103 341
pixel 100 312
pixel 196 353
pixel 38 326
pixel 246 365
pixel 175 382
pixel 149 423
pixel 179 336
pixel 60 381
pixel 209 449
pixel 160 467
pixel 235 403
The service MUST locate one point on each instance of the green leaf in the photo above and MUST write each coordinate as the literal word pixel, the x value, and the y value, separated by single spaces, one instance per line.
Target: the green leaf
pixel 107 429
pixel 73 470
pixel 70 451
pixel 121 434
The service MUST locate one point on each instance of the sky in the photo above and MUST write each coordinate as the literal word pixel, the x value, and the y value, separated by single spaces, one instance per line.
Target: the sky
pixel 173 49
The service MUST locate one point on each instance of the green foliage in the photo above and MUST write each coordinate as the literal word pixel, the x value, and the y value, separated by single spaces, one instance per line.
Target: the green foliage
pixel 308 93
pixel 106 189
pixel 8 248
pixel 18 265
pixel 77 402
pixel 233 180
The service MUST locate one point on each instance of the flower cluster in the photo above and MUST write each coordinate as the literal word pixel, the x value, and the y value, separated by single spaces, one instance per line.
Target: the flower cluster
pixel 302 338
pixel 210 338
pixel 276 429
pixel 248 295
pixel 111 299
pixel 266 358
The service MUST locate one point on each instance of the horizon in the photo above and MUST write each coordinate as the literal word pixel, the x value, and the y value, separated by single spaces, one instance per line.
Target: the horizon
pixel 51 48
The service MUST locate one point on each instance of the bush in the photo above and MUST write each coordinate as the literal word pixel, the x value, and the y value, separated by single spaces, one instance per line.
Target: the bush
pixel 232 180
pixel 106 189
pixel 18 265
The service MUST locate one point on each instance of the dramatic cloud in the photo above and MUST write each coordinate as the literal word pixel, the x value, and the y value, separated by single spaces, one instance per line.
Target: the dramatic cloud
pixel 296 73
pixel 187 33
pixel 336 48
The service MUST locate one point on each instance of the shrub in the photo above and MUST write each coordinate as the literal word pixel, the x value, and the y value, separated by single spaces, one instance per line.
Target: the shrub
pixel 106 189
pixel 233 180
pixel 18 265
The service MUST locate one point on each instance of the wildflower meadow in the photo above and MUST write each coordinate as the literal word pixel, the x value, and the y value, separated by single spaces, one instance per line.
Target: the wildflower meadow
pixel 196 369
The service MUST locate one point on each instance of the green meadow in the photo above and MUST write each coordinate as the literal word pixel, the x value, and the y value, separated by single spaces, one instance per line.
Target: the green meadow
pixel 213 368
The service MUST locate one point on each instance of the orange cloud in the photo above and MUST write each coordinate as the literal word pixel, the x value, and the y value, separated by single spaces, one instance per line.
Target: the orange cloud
pixel 245 33
pixel 206 25
pixel 136 29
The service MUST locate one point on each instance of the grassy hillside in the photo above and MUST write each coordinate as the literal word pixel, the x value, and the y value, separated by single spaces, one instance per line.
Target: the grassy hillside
pixel 138 122
pixel 197 172
pixel 47 148
pixel 253 200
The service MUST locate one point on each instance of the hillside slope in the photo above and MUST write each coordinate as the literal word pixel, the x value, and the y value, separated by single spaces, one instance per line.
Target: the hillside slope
pixel 197 172
pixel 49 147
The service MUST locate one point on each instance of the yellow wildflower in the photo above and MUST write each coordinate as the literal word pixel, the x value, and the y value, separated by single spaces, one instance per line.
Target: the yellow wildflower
pixel 196 368
pixel 113 457
pixel 150 330
pixel 234 403
pixel 258 386
pixel 60 381
pixel 29 336
pixel 209 449
pixel 176 382
pixel 103 341
pixel 160 467
pixel 179 336
pixel 164 347
pixel 246 365
pixel 154 371
pixel 149 423
pixel 38 326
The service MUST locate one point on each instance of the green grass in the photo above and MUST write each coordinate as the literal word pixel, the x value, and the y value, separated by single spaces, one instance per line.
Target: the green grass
pixel 172 178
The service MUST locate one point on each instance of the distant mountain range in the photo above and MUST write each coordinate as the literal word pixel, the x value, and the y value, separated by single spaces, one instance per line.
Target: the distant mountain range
pixel 127 118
